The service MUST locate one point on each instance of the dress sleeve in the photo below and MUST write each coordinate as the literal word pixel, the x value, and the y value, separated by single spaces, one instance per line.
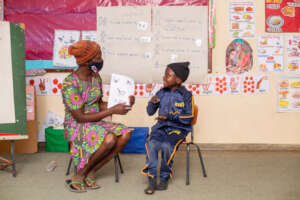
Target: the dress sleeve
pixel 71 96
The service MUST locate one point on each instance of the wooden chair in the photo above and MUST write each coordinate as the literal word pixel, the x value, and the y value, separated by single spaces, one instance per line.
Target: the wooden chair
pixel 189 142
pixel 117 163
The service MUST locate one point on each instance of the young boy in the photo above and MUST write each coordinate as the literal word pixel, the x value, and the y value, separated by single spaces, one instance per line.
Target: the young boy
pixel 174 122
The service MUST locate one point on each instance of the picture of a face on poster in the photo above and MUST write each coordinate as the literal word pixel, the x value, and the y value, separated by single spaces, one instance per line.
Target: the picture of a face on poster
pixel 239 57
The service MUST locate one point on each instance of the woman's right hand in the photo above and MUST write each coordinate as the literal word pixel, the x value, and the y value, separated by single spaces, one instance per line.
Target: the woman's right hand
pixel 120 109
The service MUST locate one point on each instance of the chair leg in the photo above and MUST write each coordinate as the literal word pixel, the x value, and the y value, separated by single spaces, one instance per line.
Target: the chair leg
pixel 201 160
pixel 116 169
pixel 69 166
pixel 120 164
pixel 187 164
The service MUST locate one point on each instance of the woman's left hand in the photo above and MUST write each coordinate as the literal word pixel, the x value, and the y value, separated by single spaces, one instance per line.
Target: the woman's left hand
pixel 131 100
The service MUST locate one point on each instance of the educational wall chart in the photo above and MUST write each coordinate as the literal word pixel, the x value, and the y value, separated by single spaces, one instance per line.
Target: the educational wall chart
pixel 292 44
pixel 1 10
pixel 179 34
pixel 7 114
pixel 121 87
pixel 212 85
pixel 282 16
pixel 62 40
pixel 125 36
pixel 270 53
pixel 135 47
pixel 288 93
pixel 89 35
pixel 242 19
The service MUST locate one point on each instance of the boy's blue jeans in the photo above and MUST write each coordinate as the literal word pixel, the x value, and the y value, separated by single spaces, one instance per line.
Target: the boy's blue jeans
pixel 168 144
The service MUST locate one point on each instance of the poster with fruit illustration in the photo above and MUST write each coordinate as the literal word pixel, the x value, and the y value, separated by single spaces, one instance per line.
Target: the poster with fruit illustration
pixel 288 93
pixel 292 44
pixel 242 19
pixel 270 53
pixel 282 16
pixel 62 40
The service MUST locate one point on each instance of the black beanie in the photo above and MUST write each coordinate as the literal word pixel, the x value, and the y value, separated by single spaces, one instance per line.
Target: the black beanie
pixel 181 69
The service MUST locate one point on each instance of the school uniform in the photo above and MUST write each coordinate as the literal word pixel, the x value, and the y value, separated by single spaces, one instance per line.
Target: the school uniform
pixel 167 135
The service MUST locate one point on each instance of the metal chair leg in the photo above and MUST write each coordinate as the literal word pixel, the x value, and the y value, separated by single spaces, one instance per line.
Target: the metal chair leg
pixel 120 164
pixel 12 151
pixel 201 160
pixel 69 166
pixel 116 169
pixel 187 164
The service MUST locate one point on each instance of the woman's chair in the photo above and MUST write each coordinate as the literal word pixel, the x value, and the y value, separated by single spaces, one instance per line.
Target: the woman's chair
pixel 117 163
pixel 189 142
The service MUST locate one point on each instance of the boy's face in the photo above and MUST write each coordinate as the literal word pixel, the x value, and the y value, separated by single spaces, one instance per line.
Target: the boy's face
pixel 170 79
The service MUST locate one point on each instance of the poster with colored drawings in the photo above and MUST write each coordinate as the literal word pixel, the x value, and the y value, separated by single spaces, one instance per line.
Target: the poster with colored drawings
pixel 89 35
pixel 62 40
pixel 242 19
pixel 288 93
pixel 1 10
pixel 282 16
pixel 46 85
pixel 255 84
pixel 270 53
pixel 292 44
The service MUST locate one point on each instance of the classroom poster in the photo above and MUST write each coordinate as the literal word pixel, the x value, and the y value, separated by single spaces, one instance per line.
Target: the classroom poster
pixel 242 19
pixel 288 93
pixel 179 34
pixel 1 10
pixel 62 40
pixel 239 58
pixel 46 85
pixel 292 44
pixel 270 53
pixel 255 84
pixel 282 16
pixel 125 36
pixel 30 102
pixel 7 114
pixel 89 35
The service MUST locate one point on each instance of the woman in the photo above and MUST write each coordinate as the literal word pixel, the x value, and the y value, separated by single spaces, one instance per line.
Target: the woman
pixel 93 141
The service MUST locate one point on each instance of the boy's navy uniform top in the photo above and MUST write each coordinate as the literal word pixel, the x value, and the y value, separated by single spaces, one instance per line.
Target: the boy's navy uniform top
pixel 177 106
pixel 167 135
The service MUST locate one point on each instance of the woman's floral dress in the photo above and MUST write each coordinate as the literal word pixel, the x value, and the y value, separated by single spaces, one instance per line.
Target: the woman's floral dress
pixel 85 138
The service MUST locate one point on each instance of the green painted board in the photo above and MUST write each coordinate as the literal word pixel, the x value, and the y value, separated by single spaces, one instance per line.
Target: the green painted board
pixel 18 66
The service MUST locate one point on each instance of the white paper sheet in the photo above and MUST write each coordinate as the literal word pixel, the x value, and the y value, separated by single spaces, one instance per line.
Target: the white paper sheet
pixel 7 114
pixel 121 87
pixel 62 40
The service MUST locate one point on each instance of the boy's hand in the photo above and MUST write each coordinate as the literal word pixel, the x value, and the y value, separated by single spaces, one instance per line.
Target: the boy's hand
pixel 161 117
pixel 155 99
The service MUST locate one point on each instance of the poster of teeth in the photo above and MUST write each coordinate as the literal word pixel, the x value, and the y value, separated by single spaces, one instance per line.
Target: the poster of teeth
pixel 62 40
pixel 292 44
pixel 288 93
pixel 242 19
pixel 270 53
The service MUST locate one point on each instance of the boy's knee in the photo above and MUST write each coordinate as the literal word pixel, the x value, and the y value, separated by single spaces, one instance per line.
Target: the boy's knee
pixel 166 147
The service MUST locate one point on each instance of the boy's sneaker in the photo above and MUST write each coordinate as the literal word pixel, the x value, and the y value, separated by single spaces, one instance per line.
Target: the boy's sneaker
pixel 151 187
pixel 163 185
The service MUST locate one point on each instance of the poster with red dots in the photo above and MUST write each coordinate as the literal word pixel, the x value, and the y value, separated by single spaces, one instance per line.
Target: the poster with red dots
pixel 193 88
pixel 255 84
pixel 40 83
pixel 55 85
pixel 221 85
pixel 62 40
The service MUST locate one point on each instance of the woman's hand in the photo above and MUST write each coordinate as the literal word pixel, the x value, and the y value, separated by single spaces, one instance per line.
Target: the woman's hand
pixel 131 100
pixel 155 99
pixel 120 109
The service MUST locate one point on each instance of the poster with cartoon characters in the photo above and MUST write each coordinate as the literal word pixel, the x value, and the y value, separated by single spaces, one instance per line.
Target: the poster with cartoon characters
pixel 282 16
pixel 62 40
pixel 270 53
pixel 242 19
pixel 288 93
pixel 292 44
pixel 239 58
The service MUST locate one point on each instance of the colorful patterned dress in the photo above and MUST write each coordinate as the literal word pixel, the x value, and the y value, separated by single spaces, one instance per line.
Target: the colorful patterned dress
pixel 85 138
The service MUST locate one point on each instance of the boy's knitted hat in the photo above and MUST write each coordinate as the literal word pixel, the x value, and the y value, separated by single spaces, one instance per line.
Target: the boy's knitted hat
pixel 181 69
